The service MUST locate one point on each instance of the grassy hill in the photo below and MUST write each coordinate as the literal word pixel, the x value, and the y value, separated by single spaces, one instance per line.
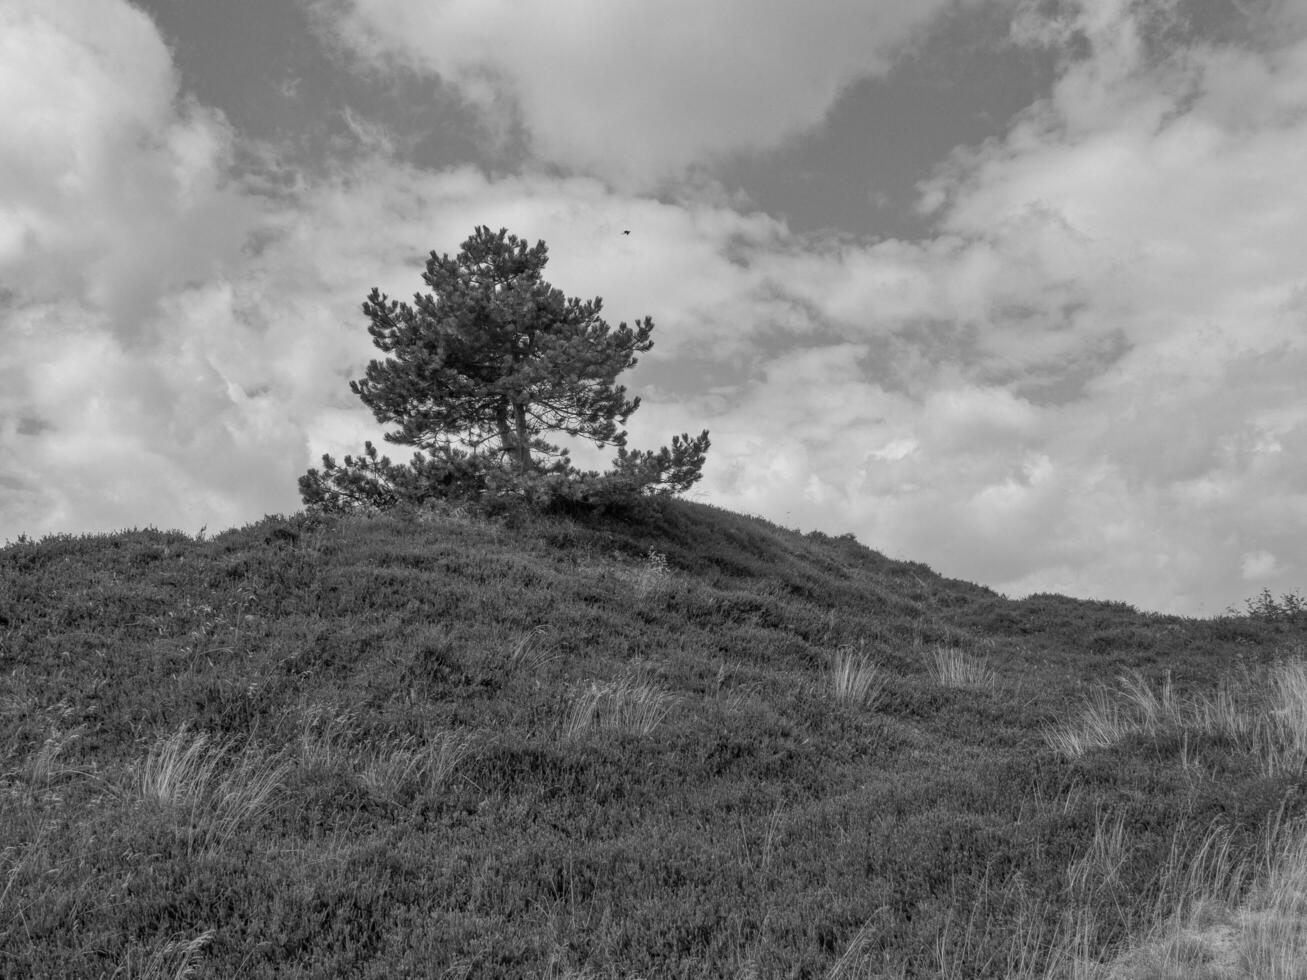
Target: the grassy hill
pixel 694 745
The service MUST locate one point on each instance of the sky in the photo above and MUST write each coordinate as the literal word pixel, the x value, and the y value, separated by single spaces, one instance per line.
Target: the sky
pixel 1015 288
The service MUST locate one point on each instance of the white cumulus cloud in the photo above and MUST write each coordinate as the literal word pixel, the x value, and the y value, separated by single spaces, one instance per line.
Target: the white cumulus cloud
pixel 1088 379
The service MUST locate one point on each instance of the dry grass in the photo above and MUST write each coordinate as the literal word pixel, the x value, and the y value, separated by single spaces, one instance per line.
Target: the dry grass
pixel 1264 715
pixel 851 678
pixel 173 960
pixel 206 789
pixel 1272 936
pixel 1103 721
pixel 627 704
pixel 758 857
pixel 411 764
pixel 1217 913
pixel 530 653
pixel 953 668
pixel 1185 929
pixel 652 576
pixel 729 693
pixel 44 768
pixel 859 961
pixel 1219 918
pixel 388 768
pixel 864 957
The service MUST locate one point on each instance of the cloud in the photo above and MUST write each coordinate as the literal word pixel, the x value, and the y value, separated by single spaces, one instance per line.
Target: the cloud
pixel 636 92
pixel 1088 380
pixel 110 183
pixel 117 225
pixel 193 386
pixel 136 435
pixel 1258 565
pixel 1120 285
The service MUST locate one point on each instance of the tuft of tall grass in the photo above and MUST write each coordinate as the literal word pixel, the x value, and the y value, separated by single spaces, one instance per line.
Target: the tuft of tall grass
pixel 953 668
pixel 759 857
pixel 864 957
pixel 413 764
pixel 207 790
pixel 1214 911
pixel 1264 715
pixel 736 696
pixel 1103 721
pixel 175 959
pixel 1289 706
pixel 652 576
pixel 1273 923
pixel 530 654
pixel 1174 931
pixel 626 704
pixel 43 768
pixel 387 768
pixel 1219 916
pixel 851 678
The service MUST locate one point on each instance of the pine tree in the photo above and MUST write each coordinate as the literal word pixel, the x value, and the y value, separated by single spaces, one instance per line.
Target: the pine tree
pixel 481 370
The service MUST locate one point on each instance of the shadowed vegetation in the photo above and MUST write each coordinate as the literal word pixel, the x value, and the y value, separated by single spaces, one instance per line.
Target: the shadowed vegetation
pixel 684 744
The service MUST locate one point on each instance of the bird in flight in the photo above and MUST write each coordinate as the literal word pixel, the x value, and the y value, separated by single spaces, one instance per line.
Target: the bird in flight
pixel 626 233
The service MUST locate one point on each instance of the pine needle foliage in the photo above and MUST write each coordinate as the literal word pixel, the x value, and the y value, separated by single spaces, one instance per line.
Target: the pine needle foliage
pixel 481 373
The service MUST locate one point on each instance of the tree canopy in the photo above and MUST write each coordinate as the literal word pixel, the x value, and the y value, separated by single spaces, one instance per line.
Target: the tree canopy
pixel 483 372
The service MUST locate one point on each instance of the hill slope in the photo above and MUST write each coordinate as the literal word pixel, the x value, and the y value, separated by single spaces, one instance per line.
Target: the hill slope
pixel 437 745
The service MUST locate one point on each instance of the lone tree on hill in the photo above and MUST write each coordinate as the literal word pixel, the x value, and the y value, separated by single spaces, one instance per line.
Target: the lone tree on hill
pixel 480 370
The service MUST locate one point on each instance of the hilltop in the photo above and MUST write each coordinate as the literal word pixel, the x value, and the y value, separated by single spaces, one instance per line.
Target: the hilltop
pixel 688 744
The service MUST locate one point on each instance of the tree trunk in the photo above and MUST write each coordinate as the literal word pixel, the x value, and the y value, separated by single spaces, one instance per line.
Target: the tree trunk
pixel 523 442
pixel 501 422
